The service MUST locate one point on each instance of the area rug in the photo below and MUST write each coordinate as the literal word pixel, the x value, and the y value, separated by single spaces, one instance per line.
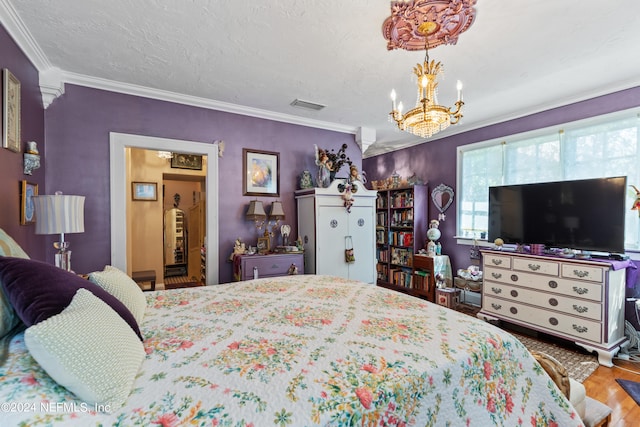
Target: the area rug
pixel 576 360
pixel 631 387
pixel 182 285
pixel 579 364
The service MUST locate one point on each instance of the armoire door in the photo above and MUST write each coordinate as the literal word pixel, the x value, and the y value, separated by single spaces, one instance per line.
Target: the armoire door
pixel 332 229
pixel 360 230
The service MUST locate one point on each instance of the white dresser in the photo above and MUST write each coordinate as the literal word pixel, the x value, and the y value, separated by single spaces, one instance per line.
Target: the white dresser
pixel 327 229
pixel 578 300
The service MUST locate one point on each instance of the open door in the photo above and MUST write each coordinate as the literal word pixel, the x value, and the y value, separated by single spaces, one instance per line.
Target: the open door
pixel 195 258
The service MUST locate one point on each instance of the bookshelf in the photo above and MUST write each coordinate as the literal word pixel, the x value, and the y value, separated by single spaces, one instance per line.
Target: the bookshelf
pixel 401 225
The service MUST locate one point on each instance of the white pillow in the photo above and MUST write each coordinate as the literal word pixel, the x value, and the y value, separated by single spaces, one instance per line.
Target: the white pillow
pixel 89 350
pixel 121 286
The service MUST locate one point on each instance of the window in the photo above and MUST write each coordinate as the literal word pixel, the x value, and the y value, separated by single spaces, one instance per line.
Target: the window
pixel 601 147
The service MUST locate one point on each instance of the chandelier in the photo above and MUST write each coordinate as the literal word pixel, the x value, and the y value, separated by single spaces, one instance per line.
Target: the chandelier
pixel 427 117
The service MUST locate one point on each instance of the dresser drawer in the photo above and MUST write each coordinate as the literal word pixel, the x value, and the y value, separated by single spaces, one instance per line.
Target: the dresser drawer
pixel 572 288
pixel 537 266
pixel 270 265
pixel 582 272
pixel 577 307
pixel 544 319
pixel 502 261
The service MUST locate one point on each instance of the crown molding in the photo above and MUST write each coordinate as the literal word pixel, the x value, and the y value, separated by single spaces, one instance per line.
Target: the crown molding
pixel 52 81
pixel 21 35
pixel 162 95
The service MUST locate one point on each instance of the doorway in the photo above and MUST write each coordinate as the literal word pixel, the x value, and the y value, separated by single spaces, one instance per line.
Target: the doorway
pixel 121 245
pixel 184 208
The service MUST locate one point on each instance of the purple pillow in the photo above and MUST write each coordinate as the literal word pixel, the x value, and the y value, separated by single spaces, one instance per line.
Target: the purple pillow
pixel 37 290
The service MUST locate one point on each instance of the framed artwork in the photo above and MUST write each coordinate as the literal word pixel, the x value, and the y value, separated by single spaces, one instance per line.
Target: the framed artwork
pixel 10 111
pixel 263 245
pixel 27 210
pixel 186 161
pixel 146 191
pixel 261 173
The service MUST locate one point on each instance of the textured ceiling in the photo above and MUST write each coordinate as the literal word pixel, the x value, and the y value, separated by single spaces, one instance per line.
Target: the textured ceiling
pixel 518 56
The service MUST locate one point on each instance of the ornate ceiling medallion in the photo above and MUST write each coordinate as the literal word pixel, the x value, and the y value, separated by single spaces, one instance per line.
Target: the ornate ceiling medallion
pixel 450 18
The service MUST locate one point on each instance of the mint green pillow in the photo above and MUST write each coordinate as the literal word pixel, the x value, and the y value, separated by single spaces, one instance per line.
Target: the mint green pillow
pixel 89 350
pixel 120 285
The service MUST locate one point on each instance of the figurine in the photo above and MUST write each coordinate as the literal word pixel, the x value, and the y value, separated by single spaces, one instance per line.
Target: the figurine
pixel 293 270
pixel 306 181
pixel 433 234
pixel 324 168
pixel 238 249
pixel 32 147
pixel 354 175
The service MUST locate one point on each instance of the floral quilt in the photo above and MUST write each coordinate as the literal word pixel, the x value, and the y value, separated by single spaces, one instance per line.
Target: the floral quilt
pixel 305 351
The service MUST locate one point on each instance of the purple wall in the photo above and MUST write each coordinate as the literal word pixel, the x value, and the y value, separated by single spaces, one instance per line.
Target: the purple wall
pixel 32 128
pixel 75 156
pixel 78 126
pixel 435 162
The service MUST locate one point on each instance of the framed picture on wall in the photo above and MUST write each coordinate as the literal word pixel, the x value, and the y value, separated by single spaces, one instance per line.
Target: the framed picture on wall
pixel 261 173
pixel 27 210
pixel 145 191
pixel 10 111
pixel 186 161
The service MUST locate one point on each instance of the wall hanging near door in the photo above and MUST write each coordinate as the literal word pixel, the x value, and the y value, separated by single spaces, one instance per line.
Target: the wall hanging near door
pixel 442 197
pixel 186 161
pixel 261 173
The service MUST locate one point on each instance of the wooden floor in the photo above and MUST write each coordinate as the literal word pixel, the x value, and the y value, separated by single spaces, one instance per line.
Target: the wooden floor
pixel 602 386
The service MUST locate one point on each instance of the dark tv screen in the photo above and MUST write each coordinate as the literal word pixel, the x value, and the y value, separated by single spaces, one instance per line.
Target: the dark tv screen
pixel 585 214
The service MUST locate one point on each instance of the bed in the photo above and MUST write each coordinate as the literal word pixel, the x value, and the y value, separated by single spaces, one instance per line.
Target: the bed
pixel 302 351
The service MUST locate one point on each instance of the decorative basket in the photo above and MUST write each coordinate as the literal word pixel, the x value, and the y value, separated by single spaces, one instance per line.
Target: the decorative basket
pixel 471 285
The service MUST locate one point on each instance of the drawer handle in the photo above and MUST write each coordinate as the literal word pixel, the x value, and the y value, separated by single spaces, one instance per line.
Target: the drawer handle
pixel 581 274
pixel 496 275
pixel 513 310
pixel 553 321
pixel 496 261
pixel 496 306
pixel 514 293
pixel 580 291
pixel 580 329
pixel 580 308
pixel 496 290
pixel 553 284
pixel 514 277
pixel 534 267
pixel 553 302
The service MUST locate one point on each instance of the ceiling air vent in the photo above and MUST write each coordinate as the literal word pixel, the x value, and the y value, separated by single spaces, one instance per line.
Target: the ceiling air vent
pixel 306 104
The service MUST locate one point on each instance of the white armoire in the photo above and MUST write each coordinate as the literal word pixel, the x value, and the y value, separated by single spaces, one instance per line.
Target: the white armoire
pixel 327 229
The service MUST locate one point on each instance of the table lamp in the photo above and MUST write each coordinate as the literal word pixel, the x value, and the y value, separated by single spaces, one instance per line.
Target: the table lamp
pixel 60 214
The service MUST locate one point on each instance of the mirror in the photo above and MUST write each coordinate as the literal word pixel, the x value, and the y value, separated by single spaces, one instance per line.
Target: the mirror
pixel 175 256
pixel 442 197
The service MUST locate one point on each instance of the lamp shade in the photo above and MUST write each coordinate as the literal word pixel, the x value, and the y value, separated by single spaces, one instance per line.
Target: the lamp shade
pixel 276 211
pixel 256 211
pixel 59 214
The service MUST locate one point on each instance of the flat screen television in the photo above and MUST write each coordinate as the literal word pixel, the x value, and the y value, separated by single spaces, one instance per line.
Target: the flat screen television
pixel 586 214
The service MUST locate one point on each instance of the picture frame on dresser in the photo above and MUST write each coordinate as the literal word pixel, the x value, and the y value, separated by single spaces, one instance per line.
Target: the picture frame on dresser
pixel 263 245
pixel 260 173
pixel 10 111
